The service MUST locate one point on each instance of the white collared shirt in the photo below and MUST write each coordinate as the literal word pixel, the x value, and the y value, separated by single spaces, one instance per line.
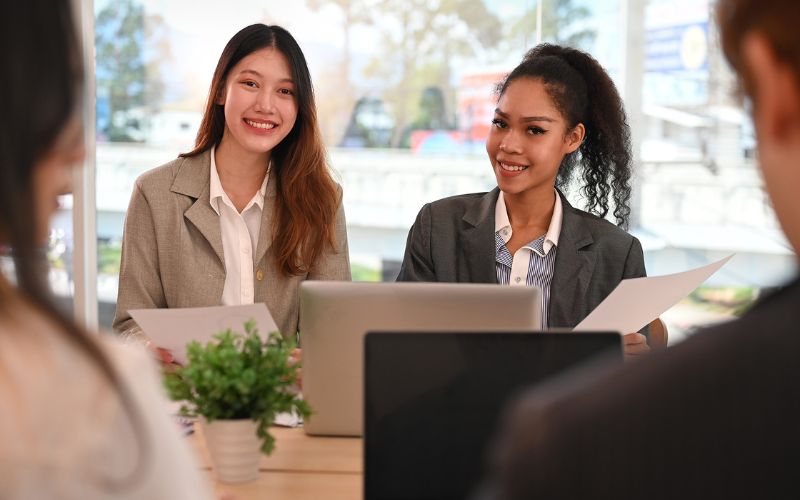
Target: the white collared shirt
pixel 533 263
pixel 239 238
pixel 503 226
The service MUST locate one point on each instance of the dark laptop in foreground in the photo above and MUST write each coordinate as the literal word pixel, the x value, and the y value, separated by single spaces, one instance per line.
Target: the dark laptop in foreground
pixel 432 402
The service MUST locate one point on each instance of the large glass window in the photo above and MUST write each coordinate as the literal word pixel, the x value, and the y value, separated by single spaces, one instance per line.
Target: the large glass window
pixel 404 91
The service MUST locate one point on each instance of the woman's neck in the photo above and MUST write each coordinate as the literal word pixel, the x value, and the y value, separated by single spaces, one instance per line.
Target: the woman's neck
pixel 240 172
pixel 530 209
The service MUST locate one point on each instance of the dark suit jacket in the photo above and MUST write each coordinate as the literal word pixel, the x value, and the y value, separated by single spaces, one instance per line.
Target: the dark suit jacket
pixel 453 240
pixel 717 416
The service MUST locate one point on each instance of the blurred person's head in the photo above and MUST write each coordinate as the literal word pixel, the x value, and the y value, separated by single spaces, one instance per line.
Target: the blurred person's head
pixel 41 141
pixel 761 40
pixel 261 100
pixel 558 110
pixel 41 133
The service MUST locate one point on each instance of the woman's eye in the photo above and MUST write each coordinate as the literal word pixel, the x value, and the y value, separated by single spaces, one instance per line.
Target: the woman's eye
pixel 499 123
pixel 286 91
pixel 536 130
pixel 250 83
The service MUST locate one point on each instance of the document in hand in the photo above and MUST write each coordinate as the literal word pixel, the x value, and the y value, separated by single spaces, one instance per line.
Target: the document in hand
pixel 173 328
pixel 638 301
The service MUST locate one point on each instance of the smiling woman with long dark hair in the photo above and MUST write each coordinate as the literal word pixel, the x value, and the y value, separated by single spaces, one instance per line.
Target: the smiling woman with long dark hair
pixel 80 417
pixel 252 210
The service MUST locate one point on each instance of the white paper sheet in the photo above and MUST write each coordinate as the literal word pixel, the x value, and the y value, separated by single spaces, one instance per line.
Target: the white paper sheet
pixel 638 301
pixel 173 328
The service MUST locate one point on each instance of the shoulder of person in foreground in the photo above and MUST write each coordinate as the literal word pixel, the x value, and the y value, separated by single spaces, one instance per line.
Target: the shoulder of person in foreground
pixel 704 417
pixel 171 469
pixel 66 431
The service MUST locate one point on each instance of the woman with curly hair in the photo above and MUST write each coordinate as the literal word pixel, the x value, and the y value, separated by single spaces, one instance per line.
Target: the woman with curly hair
pixel 558 117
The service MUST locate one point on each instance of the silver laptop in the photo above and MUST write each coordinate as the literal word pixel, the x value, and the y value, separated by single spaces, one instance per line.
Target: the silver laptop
pixel 334 317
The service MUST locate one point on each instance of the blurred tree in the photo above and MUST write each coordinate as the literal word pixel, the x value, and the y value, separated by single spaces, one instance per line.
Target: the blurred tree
pixel 338 100
pixel 354 12
pixel 157 51
pixel 559 18
pixel 422 33
pixel 129 47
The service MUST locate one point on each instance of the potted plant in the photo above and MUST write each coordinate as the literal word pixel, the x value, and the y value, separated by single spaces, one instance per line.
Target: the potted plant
pixel 236 384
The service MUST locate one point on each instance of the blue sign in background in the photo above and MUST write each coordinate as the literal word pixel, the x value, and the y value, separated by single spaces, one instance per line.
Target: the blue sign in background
pixel 664 46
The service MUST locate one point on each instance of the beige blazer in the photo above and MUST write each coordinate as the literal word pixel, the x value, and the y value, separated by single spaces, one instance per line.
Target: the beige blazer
pixel 172 249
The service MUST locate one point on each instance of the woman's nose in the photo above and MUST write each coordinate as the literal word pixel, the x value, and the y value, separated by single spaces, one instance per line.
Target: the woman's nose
pixel 265 101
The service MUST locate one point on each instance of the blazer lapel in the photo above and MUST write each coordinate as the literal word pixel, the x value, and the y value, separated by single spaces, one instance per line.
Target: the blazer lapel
pixel 267 217
pixel 477 248
pixel 573 269
pixel 193 180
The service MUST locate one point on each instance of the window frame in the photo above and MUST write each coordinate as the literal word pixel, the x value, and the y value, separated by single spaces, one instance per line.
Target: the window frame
pixel 84 212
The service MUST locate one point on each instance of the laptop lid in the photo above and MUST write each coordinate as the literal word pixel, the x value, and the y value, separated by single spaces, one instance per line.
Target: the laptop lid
pixel 334 316
pixel 432 402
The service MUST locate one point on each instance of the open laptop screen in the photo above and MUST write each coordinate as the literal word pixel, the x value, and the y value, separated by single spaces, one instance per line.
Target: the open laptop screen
pixel 432 401
pixel 335 316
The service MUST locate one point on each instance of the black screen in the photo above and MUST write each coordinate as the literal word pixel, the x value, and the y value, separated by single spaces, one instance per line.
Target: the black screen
pixel 432 401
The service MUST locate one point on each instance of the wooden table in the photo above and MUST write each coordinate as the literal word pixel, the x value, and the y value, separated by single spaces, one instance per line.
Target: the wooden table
pixel 301 467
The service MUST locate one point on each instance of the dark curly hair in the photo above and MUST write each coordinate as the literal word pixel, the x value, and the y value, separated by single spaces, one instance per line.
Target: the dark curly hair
pixel 584 93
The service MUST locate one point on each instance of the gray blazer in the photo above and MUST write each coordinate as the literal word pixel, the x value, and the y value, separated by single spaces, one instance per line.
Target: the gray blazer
pixel 453 240
pixel 172 248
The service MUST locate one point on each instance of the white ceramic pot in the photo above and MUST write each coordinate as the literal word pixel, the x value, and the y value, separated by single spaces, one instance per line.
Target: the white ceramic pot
pixel 235 449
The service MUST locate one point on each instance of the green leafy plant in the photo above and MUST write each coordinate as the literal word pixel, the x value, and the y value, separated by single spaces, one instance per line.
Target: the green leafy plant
pixel 238 376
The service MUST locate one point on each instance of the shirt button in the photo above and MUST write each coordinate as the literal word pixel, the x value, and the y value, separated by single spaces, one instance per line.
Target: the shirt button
pixel 245 250
pixel 505 232
pixel 517 279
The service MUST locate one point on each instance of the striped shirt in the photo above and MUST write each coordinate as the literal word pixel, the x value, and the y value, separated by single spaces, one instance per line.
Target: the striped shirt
pixel 533 263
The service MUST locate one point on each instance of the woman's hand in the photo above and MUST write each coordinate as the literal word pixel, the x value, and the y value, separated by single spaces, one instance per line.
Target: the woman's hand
pixel 163 355
pixel 635 345
pixel 294 358
pixel 164 358
pixel 136 337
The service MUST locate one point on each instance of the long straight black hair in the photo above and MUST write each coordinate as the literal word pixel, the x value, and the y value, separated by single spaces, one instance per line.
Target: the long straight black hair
pixel 41 89
pixel 307 196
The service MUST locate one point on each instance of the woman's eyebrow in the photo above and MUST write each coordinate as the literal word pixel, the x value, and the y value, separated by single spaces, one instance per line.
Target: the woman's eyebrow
pixel 526 118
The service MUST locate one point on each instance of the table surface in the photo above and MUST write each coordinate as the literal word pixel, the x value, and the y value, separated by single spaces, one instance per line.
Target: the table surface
pixel 301 467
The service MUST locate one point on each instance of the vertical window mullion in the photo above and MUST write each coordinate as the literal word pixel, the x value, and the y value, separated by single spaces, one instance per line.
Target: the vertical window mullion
pixel 84 212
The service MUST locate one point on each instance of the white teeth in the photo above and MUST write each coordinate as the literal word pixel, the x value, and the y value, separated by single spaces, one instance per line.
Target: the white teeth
pixel 260 125
pixel 511 168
